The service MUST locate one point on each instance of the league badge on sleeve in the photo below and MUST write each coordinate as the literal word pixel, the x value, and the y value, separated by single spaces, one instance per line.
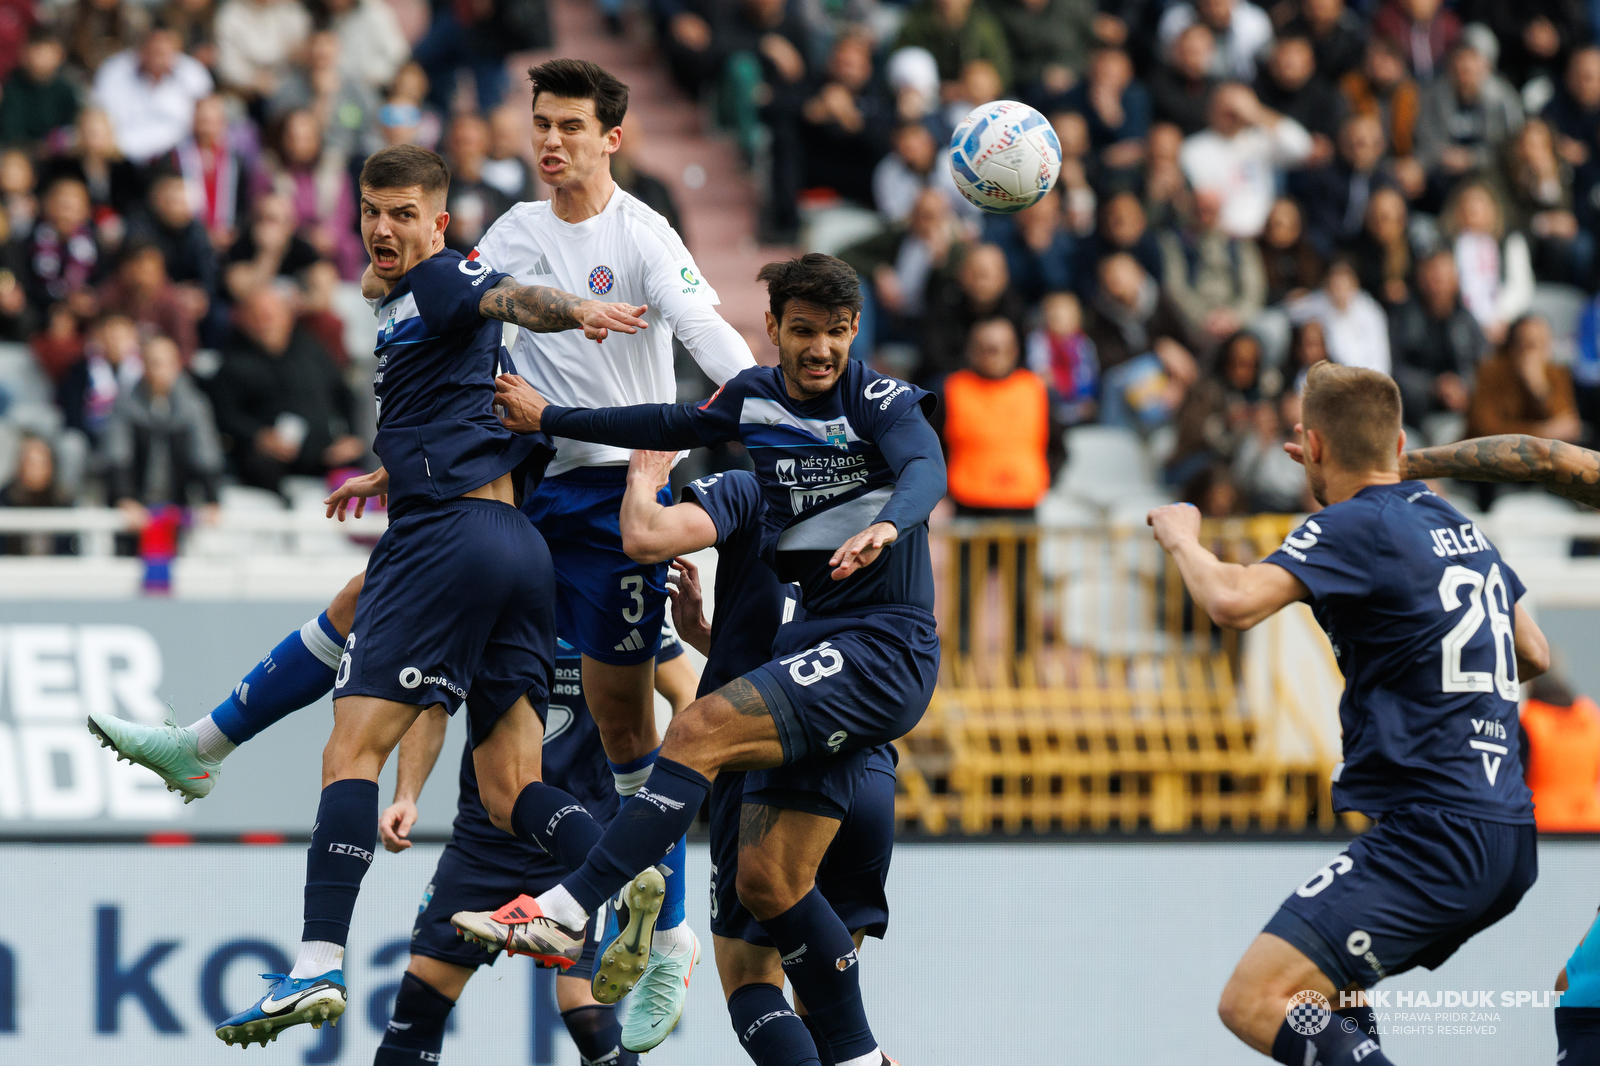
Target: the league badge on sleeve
pixel 600 280
pixel 836 435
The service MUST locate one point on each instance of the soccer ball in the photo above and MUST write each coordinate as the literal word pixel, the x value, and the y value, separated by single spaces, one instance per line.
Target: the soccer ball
pixel 1004 156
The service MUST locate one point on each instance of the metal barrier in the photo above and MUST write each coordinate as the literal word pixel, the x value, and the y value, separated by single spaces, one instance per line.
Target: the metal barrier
pixel 1082 689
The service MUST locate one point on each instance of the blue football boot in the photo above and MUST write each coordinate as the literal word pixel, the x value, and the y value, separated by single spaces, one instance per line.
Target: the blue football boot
pixel 290 1001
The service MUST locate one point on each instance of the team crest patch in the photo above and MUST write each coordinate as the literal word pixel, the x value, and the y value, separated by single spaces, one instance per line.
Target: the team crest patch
pixel 836 435
pixel 600 280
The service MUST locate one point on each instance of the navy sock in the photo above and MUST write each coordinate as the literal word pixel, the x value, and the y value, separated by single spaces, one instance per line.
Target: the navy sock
pixel 1334 1045
pixel 630 777
pixel 416 1031
pixel 295 674
pixel 644 830
pixel 555 821
pixel 819 959
pixel 341 849
pixel 818 1037
pixel 598 1035
pixel 1577 1035
pixel 771 1033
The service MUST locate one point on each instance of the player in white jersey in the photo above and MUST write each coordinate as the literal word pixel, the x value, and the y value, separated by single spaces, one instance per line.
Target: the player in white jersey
pixel 593 237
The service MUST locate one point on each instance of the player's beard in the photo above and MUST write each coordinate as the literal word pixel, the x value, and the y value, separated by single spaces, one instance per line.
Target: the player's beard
pixel 1319 485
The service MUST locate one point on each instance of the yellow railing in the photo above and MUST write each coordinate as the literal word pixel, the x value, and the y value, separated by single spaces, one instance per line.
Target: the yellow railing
pixel 1083 690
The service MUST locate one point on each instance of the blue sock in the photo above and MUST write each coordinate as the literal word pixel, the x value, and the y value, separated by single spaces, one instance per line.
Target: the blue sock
pixel 645 829
pixel 416 1031
pixel 819 1038
pixel 598 1034
pixel 771 1032
pixel 630 777
pixel 341 849
pixel 295 674
pixel 555 821
pixel 819 959
pixel 1334 1045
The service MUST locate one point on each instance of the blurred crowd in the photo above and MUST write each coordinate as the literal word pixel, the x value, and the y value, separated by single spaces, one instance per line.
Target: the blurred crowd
pixel 178 226
pixel 1400 184
pixel 1244 190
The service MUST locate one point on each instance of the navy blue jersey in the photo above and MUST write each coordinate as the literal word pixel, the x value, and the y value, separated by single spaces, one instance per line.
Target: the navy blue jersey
pixel 829 467
pixel 1419 606
pixel 750 600
pixel 572 759
pixel 438 436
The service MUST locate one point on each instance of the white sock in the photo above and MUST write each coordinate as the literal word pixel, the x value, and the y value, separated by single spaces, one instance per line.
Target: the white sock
pixel 671 941
pixel 629 784
pixel 872 1058
pixel 316 958
pixel 559 904
pixel 211 743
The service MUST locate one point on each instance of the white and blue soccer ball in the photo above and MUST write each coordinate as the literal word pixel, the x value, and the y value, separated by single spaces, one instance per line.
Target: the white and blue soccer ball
pixel 1005 156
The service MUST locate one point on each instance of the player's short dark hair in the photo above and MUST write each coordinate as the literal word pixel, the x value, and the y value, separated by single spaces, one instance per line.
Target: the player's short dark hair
pixel 401 166
pixel 580 79
pixel 815 279
pixel 1357 411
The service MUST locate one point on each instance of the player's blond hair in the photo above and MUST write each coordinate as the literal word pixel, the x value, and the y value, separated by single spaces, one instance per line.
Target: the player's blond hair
pixel 1357 412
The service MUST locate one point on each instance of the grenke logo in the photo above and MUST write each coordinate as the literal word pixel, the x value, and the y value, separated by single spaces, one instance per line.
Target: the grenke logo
pixel 51 678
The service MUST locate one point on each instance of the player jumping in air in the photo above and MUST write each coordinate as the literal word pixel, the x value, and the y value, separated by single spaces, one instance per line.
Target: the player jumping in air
pixel 849 471
pixel 458 594
pixel 1424 619
pixel 592 237
pixel 848 801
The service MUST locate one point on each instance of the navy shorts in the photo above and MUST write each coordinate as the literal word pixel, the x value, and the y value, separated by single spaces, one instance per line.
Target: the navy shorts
pixel 483 878
pixel 1408 892
pixel 857 789
pixel 458 606
pixel 608 606
pixel 849 682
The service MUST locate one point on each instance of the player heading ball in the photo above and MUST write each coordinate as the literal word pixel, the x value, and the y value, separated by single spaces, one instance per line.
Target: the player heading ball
pixel 1424 619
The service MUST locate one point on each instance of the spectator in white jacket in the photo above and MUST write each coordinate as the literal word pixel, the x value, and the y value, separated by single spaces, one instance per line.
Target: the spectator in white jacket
pixel 1242 31
pixel 1495 267
pixel 256 42
pixel 1239 156
pixel 374 45
pixel 149 93
pixel 1353 324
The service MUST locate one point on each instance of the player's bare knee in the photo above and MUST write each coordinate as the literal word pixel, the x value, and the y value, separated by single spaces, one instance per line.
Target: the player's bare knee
pixel 766 887
pixel 692 737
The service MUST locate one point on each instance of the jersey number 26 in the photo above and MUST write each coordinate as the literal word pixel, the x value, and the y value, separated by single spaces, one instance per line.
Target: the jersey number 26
pixel 1481 592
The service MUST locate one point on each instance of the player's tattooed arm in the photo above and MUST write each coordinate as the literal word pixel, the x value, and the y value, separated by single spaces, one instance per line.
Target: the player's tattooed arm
pixel 541 309
pixel 745 697
pixel 1565 469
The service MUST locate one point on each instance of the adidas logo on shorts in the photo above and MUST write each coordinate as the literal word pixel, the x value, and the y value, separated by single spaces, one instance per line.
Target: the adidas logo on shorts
pixel 634 642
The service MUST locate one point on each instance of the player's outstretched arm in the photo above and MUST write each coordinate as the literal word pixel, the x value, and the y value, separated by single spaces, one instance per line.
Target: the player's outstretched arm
pixel 666 427
pixel 542 309
pixel 419 750
pixel 1565 469
pixel 1238 597
pixel 1533 650
pixel 652 533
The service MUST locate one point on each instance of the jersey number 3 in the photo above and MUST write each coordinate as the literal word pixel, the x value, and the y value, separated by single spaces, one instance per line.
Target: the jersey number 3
pixel 1490 592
